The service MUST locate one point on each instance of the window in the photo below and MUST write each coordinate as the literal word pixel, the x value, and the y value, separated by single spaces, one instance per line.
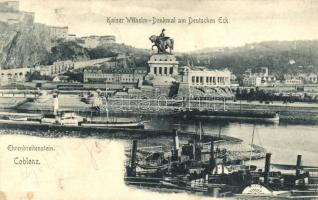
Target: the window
pixel 171 70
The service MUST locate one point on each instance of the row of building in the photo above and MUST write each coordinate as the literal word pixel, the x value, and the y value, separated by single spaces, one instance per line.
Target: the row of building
pixel 263 78
pixel 114 75
pixel 22 74
pixel 14 75
pixel 94 41
pixel 62 32
pixel 159 72
pixel 56 69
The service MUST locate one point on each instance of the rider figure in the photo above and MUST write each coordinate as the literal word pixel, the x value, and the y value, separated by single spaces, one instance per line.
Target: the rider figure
pixel 162 39
pixel 162 34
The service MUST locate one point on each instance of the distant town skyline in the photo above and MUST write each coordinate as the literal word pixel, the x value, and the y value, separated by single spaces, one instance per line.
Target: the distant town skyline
pixel 249 21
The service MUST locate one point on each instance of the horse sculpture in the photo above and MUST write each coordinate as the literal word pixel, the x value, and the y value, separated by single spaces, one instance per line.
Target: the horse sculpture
pixel 162 43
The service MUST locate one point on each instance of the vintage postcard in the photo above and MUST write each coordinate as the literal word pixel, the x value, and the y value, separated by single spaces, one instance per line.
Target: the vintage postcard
pixel 158 99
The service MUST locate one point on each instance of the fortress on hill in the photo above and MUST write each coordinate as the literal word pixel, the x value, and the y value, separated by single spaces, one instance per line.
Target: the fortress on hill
pixel 11 14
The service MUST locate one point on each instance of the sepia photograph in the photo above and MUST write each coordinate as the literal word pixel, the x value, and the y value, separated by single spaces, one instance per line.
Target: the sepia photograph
pixel 158 99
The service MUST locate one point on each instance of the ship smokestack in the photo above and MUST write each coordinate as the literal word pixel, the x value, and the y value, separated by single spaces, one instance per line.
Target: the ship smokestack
pixel 212 161
pixel 298 165
pixel 223 163
pixel 55 103
pixel 133 162
pixel 175 145
pixel 267 166
pixel 194 150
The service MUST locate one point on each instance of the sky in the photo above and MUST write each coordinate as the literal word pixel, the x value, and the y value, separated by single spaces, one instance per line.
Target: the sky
pixel 249 20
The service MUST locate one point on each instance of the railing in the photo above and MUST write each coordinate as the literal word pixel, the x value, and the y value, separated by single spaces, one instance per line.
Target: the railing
pixel 163 103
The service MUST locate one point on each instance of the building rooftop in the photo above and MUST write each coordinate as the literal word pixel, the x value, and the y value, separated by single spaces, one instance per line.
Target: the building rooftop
pixel 115 70
pixel 202 68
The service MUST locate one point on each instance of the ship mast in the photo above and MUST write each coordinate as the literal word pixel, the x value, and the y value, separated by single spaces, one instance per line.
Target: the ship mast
pixel 106 98
pixel 249 167
pixel 200 126
pixel 217 147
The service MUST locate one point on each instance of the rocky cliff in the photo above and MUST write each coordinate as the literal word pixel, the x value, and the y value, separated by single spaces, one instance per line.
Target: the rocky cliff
pixel 23 45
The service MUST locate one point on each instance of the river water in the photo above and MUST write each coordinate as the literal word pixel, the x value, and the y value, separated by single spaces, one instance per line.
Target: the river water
pixel 285 141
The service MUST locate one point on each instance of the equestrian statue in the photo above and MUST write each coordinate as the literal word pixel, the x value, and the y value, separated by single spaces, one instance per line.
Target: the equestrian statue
pixel 162 42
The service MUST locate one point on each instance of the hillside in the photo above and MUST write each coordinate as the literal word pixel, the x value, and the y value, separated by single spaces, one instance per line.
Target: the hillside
pixel 281 57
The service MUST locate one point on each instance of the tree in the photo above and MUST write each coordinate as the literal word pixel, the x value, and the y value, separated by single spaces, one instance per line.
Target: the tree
pixel 101 52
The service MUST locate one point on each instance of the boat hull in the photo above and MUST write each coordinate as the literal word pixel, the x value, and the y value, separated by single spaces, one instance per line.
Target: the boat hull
pixel 114 125
pixel 99 126
pixel 234 115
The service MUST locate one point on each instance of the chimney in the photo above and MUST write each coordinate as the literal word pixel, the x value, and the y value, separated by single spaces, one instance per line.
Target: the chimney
pixel 175 145
pixel 267 166
pixel 133 162
pixel 55 103
pixel 298 165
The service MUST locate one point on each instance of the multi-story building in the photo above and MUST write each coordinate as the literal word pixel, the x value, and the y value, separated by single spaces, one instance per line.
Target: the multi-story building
pixel 14 75
pixel 58 32
pixel 71 37
pixel 9 6
pixel 107 39
pixel 94 41
pixel 292 79
pixel 312 78
pixel 307 77
pixel 58 67
pixel 252 81
pixel 114 76
pixel 260 78
pixel 61 67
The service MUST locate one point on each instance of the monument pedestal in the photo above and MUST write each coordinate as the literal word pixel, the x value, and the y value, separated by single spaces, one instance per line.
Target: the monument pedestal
pixel 163 69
